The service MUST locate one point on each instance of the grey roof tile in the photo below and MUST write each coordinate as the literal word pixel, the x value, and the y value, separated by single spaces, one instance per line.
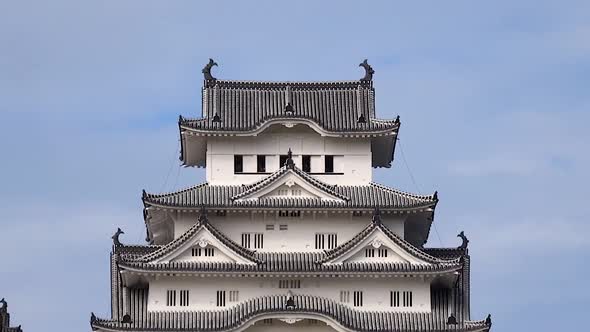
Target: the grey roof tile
pixel 245 106
pixel 238 315
pixel 354 197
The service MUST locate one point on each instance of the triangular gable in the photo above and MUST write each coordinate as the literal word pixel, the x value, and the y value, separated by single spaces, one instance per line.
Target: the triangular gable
pixel 290 182
pixel 202 236
pixel 377 236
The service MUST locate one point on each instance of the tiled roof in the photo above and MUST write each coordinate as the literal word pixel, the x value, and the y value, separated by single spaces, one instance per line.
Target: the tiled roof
pixel 357 197
pixel 288 261
pixel 244 312
pixel 245 106
pixel 189 234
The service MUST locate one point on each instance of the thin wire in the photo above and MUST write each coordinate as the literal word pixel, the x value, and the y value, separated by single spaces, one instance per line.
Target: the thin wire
pixel 170 169
pixel 177 175
pixel 416 185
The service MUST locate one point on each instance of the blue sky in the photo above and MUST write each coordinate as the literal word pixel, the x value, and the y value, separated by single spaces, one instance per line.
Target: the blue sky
pixel 493 98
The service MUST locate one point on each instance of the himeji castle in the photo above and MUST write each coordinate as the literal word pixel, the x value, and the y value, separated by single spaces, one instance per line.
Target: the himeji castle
pixel 5 319
pixel 289 232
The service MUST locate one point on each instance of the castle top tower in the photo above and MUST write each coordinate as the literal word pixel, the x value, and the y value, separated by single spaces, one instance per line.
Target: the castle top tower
pixel 289 232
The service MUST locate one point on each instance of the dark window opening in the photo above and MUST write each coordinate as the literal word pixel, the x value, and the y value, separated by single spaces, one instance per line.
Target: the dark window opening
pixel 329 164
pixel 283 160
pixel 306 163
pixel 260 164
pixel 238 164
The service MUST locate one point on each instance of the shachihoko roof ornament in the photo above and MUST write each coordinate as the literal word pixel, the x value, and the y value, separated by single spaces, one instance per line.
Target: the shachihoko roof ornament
pixel 207 70
pixel 465 240
pixel 115 237
pixel 368 71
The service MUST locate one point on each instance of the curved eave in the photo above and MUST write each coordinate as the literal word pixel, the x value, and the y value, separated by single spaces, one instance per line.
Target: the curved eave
pixel 389 127
pixel 254 206
pixel 236 270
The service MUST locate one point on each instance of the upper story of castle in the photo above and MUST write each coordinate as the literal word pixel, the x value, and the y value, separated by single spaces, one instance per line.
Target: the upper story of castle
pixel 247 129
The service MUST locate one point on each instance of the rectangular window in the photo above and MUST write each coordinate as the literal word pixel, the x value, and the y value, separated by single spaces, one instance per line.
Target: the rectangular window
pixel 292 214
pixel 246 240
pixel 407 297
pixel 283 192
pixel 369 253
pixel 295 283
pixel 220 298
pixel 357 299
pixel 270 227
pixel 261 164
pixel 329 164
pixel 344 296
pixel 184 299
pixel 253 240
pixel 283 160
pixel 267 321
pixel 283 227
pixel 382 252
pixel 207 252
pixel 306 163
pixel 170 298
pixel 296 192
pixel 238 163
pixel 394 299
pixel 234 296
pixel 325 240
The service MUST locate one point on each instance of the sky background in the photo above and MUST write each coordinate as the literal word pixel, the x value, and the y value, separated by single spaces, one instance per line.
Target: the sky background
pixel 493 98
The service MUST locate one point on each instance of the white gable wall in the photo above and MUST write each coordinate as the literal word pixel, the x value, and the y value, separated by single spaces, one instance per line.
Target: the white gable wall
pixel 300 235
pixel 203 291
pixel 352 156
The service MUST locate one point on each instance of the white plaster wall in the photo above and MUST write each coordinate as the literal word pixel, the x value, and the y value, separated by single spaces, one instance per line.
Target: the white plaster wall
pixel 203 291
pixel 352 156
pixel 300 235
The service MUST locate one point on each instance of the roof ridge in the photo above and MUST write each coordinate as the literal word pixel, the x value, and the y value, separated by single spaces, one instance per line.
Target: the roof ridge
pixel 402 192
pixel 347 83
pixel 251 188
pixel 180 191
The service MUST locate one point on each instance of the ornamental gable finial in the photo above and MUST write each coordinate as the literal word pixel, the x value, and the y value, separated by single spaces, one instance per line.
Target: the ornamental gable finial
pixel 207 70
pixel 289 163
pixel 368 71
pixel 452 320
pixel 465 240
pixel 4 304
pixel 489 320
pixel 376 216
pixel 361 119
pixel 289 109
pixel 203 216
pixel 115 237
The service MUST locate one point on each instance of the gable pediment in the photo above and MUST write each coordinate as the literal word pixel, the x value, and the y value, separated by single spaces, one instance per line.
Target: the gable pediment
pixel 202 243
pixel 290 183
pixel 378 245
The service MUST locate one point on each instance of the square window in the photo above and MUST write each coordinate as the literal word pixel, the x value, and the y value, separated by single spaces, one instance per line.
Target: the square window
pixel 306 163
pixel 238 163
pixel 261 164
pixel 329 164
